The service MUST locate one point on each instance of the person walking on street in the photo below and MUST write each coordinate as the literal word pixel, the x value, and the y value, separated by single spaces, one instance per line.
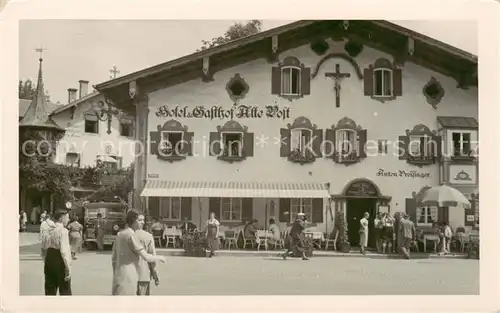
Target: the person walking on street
pixel 146 270
pixel 100 232
pixel 126 254
pixel 363 232
pixel 23 219
pixel 408 234
pixel 295 238
pixel 75 236
pixel 57 263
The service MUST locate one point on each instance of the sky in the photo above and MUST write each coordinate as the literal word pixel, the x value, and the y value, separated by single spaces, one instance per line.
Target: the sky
pixel 88 49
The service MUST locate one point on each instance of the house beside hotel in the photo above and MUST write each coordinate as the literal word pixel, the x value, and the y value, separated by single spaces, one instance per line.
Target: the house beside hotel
pixel 87 136
pixel 349 116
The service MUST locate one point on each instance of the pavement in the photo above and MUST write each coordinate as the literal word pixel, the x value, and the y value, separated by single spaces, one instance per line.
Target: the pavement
pixel 266 275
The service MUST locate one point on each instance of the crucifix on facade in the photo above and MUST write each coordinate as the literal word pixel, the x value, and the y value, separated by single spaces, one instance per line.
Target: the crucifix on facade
pixel 337 76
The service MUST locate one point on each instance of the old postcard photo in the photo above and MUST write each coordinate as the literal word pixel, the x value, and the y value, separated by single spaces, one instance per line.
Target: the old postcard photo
pixel 248 157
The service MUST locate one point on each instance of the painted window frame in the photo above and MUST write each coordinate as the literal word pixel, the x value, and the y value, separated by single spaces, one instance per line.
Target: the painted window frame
pixel 300 208
pixel 429 212
pixel 162 140
pixel 290 82
pixel 383 70
pixel 231 200
pixel 339 132
pixel 302 144
pixel 170 201
pixel 223 143
pixel 427 141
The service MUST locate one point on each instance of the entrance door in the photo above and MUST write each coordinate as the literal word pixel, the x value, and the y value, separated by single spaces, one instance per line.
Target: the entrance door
pixel 355 210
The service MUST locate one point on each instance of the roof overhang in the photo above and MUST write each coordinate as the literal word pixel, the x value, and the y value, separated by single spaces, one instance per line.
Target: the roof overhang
pixel 389 38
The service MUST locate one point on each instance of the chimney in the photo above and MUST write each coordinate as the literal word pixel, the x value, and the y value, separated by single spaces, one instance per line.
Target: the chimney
pixel 84 88
pixel 71 94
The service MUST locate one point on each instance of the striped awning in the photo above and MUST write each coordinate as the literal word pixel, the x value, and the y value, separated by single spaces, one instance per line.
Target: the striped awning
pixel 158 188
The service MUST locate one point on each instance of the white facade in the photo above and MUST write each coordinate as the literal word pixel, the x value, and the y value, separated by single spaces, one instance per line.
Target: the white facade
pixel 383 121
pixel 82 147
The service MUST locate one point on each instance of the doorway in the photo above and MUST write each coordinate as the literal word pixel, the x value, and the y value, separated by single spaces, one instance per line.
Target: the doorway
pixel 355 209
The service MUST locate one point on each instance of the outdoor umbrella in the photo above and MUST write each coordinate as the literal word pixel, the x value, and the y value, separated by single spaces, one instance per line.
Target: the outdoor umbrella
pixel 444 195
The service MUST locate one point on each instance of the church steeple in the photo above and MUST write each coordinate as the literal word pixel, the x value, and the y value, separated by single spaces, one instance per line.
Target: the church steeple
pixel 37 114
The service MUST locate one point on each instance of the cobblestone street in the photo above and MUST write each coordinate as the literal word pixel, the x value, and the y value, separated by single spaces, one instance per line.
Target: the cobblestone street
pixel 255 275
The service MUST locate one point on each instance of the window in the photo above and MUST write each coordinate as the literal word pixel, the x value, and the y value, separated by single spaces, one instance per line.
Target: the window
pixel 170 208
pixel 290 81
pixel 126 128
pixel 382 82
pixel 231 209
pixel 461 144
pixel 382 146
pixel 300 205
pixel 171 143
pixel 346 142
pixel 232 144
pixel 73 159
pixel 91 124
pixel 299 140
pixel 421 146
pixel 426 216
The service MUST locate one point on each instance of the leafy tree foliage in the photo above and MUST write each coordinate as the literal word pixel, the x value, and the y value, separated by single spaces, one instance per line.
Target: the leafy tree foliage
pixel 26 89
pixel 235 31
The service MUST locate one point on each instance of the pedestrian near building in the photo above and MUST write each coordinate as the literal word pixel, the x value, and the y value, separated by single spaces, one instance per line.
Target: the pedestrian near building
pixel 212 234
pixel 147 270
pixel 408 234
pixel 75 236
pixel 127 251
pixel 363 232
pixel 377 231
pixel 295 238
pixel 45 228
pixel 100 232
pixel 57 263
pixel 387 236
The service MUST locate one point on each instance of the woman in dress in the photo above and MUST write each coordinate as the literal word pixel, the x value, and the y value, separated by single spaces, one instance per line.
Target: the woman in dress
pixel 295 238
pixel 75 236
pixel 127 251
pixel 212 234
pixel 363 232
pixel 275 232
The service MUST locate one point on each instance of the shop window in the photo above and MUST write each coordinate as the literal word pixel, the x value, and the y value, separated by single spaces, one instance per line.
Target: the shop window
pixel 231 209
pixel 170 208
pixel 427 215
pixel 301 205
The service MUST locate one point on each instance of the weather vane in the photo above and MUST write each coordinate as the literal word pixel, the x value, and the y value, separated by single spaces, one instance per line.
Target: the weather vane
pixel 40 50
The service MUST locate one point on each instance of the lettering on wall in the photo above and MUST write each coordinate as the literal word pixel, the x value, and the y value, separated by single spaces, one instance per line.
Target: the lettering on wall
pixel 403 174
pixel 219 112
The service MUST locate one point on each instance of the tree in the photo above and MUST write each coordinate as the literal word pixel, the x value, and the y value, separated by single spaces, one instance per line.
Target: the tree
pixel 26 89
pixel 235 31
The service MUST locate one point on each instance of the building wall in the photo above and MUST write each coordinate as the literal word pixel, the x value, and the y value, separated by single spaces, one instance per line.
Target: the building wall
pixel 382 120
pixel 90 145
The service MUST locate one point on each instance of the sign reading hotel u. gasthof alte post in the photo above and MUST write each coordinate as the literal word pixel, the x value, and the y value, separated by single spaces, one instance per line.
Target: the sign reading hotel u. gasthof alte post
pixel 220 112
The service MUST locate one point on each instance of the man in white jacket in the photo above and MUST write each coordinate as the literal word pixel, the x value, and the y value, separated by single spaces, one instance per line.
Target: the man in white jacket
pixel 45 228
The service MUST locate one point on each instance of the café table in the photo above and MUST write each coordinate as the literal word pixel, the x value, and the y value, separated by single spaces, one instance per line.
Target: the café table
pixel 316 236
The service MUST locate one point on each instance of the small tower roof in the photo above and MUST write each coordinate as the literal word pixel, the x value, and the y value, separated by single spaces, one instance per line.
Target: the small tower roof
pixel 37 114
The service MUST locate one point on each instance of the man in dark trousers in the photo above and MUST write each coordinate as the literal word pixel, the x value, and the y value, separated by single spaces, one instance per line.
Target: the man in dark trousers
pixel 407 232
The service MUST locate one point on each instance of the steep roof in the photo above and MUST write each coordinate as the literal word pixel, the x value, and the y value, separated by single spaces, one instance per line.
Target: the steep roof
pixel 73 104
pixel 37 114
pixel 382 35
pixel 24 104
